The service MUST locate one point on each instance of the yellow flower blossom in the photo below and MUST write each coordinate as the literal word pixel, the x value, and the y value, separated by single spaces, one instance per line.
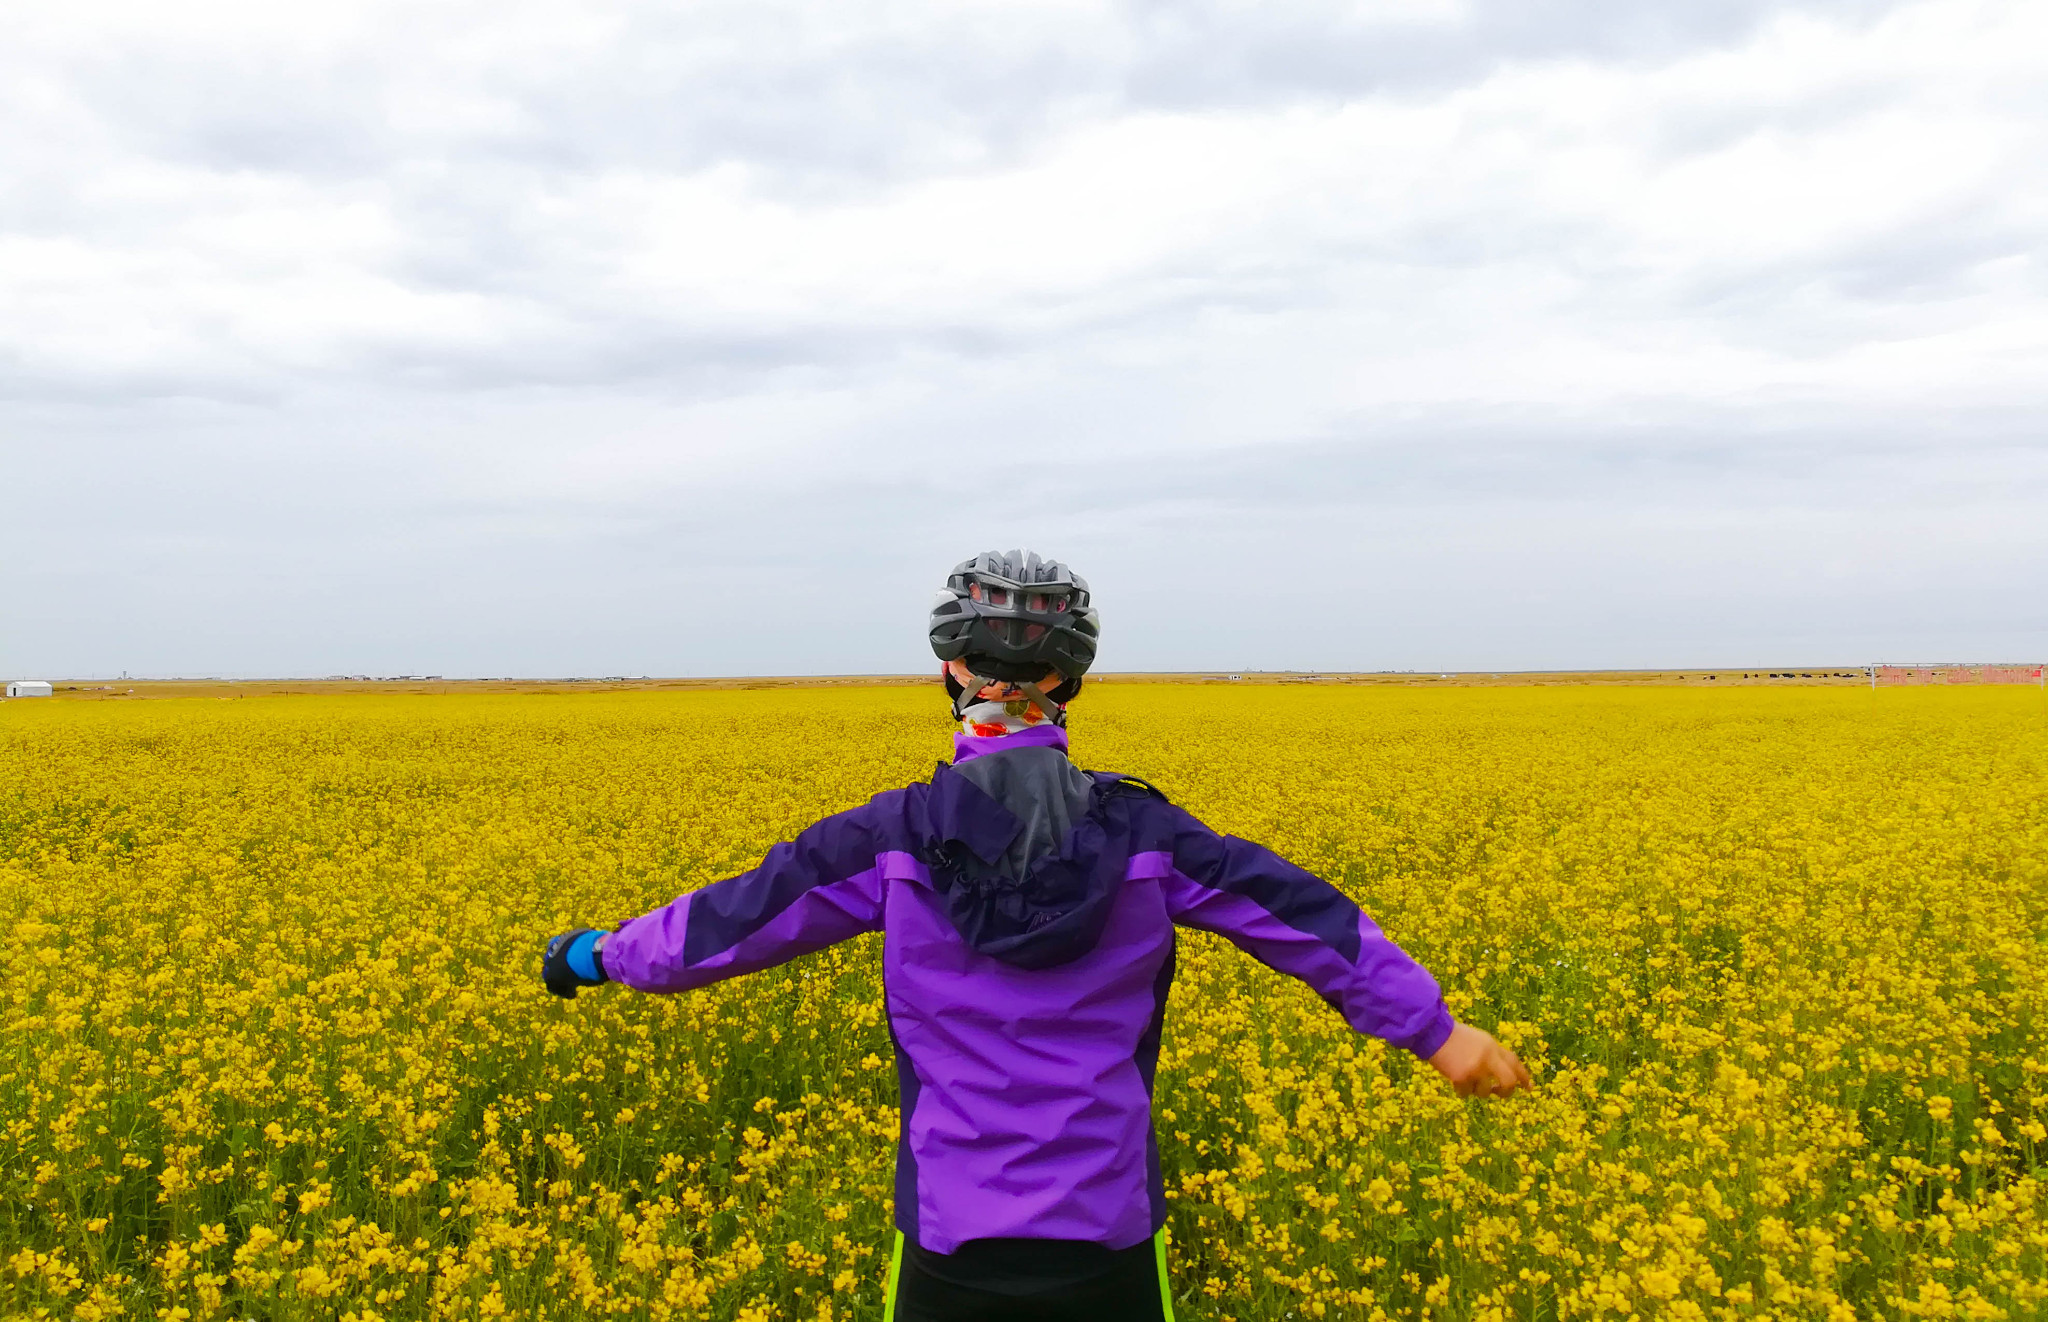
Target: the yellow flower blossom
pixel 278 1047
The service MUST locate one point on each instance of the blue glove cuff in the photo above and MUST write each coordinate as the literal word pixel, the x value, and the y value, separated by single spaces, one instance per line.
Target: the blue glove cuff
pixel 582 957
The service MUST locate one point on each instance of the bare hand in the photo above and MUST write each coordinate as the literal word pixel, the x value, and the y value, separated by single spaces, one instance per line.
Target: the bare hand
pixel 1478 1066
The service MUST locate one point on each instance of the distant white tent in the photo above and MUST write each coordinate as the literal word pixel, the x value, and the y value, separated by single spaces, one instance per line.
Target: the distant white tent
pixel 28 688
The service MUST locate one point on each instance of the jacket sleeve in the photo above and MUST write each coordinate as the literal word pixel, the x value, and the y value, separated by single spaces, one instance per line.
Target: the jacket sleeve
pixel 1296 923
pixel 822 888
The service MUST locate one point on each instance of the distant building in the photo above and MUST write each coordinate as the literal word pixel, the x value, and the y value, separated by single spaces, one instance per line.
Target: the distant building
pixel 28 688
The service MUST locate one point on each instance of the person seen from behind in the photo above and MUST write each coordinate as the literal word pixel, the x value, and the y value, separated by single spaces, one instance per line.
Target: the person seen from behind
pixel 1027 910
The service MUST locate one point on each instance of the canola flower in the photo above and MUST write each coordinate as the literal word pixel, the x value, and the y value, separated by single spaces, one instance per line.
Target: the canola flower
pixel 275 1046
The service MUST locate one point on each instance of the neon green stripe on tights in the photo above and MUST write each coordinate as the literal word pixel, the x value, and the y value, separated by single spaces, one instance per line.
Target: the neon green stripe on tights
pixel 896 1270
pixel 1165 1287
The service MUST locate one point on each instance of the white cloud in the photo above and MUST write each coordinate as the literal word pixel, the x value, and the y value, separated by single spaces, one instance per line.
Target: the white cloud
pixel 690 296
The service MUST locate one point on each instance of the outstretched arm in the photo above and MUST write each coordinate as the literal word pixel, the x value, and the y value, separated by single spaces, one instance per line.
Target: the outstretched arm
pixel 1296 923
pixel 819 889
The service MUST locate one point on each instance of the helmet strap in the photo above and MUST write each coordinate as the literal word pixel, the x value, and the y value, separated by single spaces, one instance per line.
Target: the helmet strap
pixel 970 694
pixel 1053 711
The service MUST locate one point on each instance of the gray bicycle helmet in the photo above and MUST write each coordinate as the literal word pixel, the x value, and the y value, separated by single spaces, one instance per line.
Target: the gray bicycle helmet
pixel 1013 617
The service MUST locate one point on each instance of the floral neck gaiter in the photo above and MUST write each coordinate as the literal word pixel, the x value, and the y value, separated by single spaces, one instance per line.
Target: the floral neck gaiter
pixel 1001 716
pixel 1008 717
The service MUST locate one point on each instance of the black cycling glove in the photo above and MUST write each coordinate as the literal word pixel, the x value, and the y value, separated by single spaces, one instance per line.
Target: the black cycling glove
pixel 571 961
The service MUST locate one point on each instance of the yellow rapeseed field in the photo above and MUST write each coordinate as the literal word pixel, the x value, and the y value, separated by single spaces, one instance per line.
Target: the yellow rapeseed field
pixel 275 1047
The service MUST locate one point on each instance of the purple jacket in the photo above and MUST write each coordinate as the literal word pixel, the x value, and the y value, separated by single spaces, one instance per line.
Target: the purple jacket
pixel 1026 1013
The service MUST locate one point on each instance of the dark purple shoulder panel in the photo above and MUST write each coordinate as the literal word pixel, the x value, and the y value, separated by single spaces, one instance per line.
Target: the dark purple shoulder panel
pixel 843 845
pixel 1292 894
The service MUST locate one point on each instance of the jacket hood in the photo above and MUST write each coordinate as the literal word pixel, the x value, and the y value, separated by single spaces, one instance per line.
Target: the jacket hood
pixel 1056 911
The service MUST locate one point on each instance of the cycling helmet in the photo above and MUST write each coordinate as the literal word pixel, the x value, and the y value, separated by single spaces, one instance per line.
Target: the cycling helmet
pixel 1013 617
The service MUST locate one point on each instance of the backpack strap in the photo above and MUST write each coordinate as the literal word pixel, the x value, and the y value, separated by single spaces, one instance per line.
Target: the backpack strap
pixel 1110 781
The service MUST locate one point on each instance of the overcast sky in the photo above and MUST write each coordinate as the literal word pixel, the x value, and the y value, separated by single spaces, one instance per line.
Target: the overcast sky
pixel 615 338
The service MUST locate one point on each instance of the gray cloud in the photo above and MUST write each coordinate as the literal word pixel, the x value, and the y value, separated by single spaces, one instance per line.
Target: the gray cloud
pixel 521 339
pixel 874 95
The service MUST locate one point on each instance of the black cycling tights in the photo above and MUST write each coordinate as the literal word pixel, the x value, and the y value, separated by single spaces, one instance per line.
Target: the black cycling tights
pixel 1124 1285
